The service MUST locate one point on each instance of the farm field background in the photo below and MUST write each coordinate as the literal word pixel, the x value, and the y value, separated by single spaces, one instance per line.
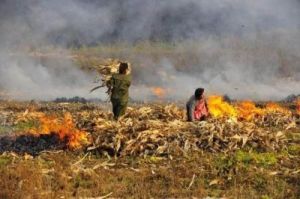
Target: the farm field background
pixel 151 152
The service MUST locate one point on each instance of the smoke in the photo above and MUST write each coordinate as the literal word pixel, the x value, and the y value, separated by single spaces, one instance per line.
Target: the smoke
pixel 28 78
pixel 246 49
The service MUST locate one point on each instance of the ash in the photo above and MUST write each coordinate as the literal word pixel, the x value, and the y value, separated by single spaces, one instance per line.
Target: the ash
pixel 31 144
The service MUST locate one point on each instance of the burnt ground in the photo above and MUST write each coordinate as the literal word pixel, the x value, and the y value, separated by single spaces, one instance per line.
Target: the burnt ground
pixel 31 144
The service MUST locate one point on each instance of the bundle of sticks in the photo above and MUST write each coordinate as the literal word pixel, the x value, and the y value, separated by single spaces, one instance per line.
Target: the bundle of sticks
pixel 105 71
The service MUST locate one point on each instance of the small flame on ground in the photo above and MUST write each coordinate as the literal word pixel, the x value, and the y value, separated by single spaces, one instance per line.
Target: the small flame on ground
pixel 159 92
pixel 272 107
pixel 64 128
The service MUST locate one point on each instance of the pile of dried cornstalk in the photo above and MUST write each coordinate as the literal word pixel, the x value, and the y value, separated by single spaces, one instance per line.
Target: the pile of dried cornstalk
pixel 162 130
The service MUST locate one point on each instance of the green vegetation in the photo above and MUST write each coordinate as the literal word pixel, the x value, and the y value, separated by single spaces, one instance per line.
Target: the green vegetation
pixel 259 159
pixel 26 125
pixel 5 129
pixel 5 160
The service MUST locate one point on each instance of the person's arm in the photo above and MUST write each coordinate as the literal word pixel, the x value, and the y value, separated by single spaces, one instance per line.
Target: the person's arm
pixel 190 109
pixel 128 84
pixel 129 81
pixel 110 84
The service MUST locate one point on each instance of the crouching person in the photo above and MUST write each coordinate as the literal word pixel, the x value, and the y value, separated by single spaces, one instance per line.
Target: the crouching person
pixel 197 109
pixel 119 84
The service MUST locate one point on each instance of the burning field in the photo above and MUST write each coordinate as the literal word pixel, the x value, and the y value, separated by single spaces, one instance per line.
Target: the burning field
pixel 61 63
pixel 77 150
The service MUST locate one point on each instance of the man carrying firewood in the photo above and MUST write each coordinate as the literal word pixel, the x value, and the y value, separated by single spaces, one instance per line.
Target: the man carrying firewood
pixel 197 109
pixel 119 85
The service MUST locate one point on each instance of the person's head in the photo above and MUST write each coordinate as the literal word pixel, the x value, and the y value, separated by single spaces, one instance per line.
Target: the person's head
pixel 123 68
pixel 199 92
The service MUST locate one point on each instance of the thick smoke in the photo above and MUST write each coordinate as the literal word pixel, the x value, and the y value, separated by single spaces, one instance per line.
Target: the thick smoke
pixel 246 49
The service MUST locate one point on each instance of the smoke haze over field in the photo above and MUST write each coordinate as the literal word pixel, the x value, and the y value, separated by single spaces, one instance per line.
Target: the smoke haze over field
pixel 246 49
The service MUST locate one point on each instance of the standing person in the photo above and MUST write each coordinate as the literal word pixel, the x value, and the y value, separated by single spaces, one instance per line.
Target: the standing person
pixel 119 84
pixel 197 109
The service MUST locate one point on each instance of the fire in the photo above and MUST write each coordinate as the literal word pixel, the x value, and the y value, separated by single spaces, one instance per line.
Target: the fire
pixel 272 107
pixel 64 128
pixel 159 92
pixel 248 111
pixel 219 108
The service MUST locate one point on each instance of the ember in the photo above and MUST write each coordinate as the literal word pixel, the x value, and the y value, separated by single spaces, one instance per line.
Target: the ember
pixel 65 129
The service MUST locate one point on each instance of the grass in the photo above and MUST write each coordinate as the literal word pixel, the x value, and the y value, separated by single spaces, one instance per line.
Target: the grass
pixel 239 175
pixel 294 149
pixel 4 160
pixel 26 125
pixel 22 126
pixel 5 129
pixel 259 159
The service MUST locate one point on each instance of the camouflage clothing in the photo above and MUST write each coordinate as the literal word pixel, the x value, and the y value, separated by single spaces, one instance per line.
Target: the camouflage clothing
pixel 119 107
pixel 119 84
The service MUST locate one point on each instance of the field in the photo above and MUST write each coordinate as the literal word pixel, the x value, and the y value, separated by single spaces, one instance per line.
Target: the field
pixel 58 75
pixel 76 150
pixel 65 149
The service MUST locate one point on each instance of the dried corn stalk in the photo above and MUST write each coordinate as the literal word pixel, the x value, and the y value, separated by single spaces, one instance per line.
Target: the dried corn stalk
pixel 105 71
pixel 162 130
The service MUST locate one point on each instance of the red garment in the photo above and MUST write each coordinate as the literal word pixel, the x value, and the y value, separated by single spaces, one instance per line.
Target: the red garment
pixel 200 109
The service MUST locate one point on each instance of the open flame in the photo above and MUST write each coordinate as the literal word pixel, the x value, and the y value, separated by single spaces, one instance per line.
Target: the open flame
pixel 272 107
pixel 219 108
pixel 248 111
pixel 64 128
pixel 159 92
pixel 245 110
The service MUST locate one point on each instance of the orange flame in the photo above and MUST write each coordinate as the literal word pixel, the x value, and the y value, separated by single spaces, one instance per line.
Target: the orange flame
pixel 219 108
pixel 272 107
pixel 248 111
pixel 159 92
pixel 65 129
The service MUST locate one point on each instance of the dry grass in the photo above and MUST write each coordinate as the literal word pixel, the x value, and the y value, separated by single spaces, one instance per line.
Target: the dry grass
pixel 54 176
pixel 75 174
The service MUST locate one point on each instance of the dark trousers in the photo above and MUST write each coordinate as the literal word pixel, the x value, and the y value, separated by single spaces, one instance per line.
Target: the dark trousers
pixel 188 113
pixel 119 107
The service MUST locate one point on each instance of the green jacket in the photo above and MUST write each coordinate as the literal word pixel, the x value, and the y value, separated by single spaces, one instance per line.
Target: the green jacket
pixel 119 84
